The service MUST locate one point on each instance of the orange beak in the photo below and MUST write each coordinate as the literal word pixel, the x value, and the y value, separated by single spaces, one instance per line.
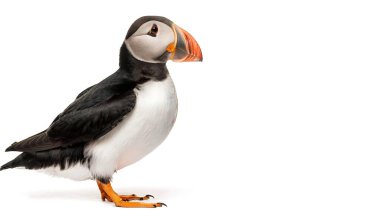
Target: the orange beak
pixel 184 48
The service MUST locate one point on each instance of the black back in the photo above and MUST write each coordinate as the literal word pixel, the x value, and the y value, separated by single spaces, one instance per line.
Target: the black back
pixel 95 112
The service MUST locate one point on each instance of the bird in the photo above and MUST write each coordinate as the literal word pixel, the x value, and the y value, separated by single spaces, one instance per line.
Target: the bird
pixel 121 119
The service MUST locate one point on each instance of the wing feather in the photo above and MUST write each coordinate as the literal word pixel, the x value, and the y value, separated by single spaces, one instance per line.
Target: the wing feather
pixel 96 111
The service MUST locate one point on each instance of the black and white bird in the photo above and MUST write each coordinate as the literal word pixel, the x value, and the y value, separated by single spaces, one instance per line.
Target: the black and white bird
pixel 118 121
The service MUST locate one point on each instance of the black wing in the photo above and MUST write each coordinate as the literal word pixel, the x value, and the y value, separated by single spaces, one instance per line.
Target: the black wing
pixel 95 112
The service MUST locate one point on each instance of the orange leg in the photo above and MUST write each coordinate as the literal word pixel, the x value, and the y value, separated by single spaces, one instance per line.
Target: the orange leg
pixel 103 194
pixel 108 193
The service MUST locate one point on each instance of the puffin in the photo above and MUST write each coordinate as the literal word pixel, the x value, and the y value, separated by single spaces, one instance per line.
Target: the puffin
pixel 119 120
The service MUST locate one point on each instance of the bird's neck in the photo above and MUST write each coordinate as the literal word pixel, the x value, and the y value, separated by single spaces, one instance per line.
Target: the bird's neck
pixel 138 69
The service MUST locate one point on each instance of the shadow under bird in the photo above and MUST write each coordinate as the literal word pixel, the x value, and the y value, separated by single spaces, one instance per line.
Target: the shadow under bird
pixel 118 121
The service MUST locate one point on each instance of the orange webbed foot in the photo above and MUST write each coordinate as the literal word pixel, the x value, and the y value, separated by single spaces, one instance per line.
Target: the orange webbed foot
pixel 134 197
pixel 107 193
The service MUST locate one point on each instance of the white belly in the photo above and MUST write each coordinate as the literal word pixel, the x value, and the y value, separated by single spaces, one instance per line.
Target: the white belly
pixel 141 131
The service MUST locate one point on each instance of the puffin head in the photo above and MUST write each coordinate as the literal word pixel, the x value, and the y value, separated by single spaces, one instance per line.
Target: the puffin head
pixel 156 39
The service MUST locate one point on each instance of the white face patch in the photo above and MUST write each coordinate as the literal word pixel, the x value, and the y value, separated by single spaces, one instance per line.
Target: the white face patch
pixel 148 48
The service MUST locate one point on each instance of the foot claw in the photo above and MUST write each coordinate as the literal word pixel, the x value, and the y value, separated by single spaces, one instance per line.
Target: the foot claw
pixel 149 196
pixel 161 204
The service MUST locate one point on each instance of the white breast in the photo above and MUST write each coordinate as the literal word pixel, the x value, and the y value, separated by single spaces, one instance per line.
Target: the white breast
pixel 141 131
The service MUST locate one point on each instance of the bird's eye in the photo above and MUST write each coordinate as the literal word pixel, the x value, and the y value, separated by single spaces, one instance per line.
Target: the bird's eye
pixel 153 31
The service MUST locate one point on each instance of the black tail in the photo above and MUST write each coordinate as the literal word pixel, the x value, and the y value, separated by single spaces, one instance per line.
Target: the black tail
pixel 17 162
pixel 62 157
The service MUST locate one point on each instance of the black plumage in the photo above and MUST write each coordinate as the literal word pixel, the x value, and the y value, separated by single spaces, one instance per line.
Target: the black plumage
pixel 96 111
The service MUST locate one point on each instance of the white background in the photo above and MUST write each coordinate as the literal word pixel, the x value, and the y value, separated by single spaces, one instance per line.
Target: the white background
pixel 281 119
